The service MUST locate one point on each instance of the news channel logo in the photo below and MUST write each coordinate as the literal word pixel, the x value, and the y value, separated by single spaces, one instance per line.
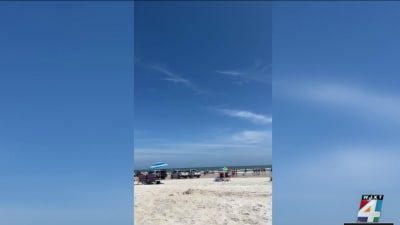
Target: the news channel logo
pixel 370 208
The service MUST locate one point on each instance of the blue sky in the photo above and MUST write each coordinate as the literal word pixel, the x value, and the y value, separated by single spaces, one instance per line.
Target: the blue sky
pixel 66 118
pixel 336 109
pixel 202 83
pixel 202 97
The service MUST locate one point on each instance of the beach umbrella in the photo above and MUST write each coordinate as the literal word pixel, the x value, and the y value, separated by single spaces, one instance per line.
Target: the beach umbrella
pixel 158 165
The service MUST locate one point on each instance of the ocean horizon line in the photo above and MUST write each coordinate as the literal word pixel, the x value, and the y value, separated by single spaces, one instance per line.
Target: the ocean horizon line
pixel 210 167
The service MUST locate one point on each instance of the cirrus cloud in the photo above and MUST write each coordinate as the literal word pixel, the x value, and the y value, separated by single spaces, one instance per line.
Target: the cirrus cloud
pixel 247 115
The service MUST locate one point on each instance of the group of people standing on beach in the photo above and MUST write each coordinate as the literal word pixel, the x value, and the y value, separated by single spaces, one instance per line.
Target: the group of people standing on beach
pixel 234 172
pixel 258 171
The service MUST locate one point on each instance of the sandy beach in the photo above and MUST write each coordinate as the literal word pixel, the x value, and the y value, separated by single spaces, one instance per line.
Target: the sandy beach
pixel 242 200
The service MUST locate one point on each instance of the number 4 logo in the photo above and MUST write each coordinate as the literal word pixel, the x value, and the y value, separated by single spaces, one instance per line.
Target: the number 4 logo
pixel 370 209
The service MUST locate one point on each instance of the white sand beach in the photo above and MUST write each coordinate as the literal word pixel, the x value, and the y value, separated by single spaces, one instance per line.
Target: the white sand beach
pixel 204 202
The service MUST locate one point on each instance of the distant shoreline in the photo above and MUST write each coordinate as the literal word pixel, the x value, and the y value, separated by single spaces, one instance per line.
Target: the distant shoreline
pixel 249 167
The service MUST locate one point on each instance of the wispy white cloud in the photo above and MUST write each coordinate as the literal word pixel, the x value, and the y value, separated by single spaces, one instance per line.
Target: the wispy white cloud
pixel 141 152
pixel 367 102
pixel 253 137
pixel 229 72
pixel 178 80
pixel 230 146
pixel 260 71
pixel 175 78
pixel 208 145
pixel 172 76
pixel 247 115
pixel 238 140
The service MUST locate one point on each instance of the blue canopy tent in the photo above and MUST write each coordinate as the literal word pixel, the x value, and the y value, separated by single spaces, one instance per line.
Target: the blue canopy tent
pixel 159 174
pixel 158 165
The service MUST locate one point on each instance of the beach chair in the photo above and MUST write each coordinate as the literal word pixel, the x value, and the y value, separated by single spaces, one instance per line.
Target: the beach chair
pixel 219 178
pixel 142 179
pixel 152 178
pixel 223 177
